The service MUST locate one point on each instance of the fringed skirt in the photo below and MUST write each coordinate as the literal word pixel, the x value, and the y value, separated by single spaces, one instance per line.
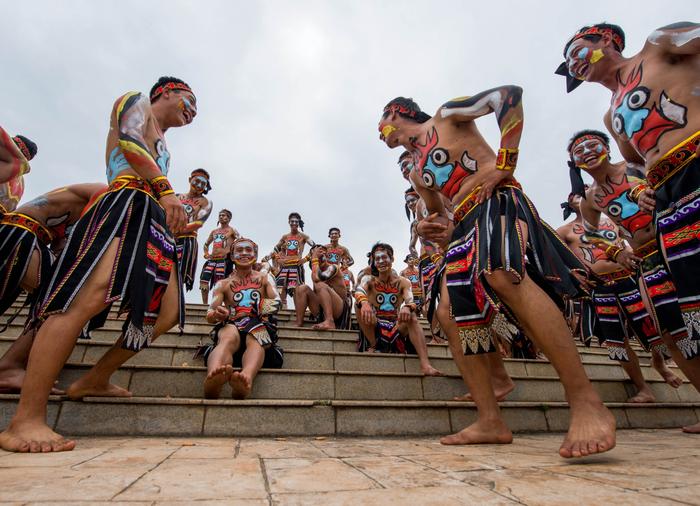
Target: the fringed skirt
pixel 187 248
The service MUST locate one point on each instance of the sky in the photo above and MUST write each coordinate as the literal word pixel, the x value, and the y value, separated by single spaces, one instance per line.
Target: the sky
pixel 289 95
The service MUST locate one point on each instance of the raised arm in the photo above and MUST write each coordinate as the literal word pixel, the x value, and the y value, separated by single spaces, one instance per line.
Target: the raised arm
pixel 12 161
pixel 349 260
pixel 681 38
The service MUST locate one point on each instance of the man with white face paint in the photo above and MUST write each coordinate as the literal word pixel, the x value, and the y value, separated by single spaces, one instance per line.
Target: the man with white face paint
pixel 387 316
pixel 640 289
pixel 335 252
pixel 197 208
pixel 245 333
pixel 216 268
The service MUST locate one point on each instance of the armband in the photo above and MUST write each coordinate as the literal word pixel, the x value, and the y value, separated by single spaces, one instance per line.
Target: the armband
pixel 613 251
pixel 161 186
pixel 637 191
pixel 507 159
pixel 360 298
pixel 270 306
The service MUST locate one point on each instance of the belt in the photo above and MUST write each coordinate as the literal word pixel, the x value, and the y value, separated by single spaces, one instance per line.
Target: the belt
pixel 185 236
pixel 30 224
pixel 673 161
pixel 610 277
pixel 470 201
pixel 648 249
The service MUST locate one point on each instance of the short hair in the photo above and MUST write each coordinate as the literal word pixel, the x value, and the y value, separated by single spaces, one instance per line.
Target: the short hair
pixel 332 229
pixel 617 32
pixel 205 174
pixel 167 82
pixel 581 133
pixel 26 146
pixel 298 217
pixel 406 108
pixel 227 212
pixel 379 246
pixel 404 155
pixel 245 239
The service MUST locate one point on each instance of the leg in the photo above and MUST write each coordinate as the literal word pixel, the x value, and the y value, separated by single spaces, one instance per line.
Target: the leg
pixel 253 358
pixel 500 379
pixel 304 297
pixel 30 281
pixel 95 382
pixel 658 362
pixel 368 330
pixel 415 334
pixel 326 300
pixel 53 344
pixel 219 367
pixel 489 426
pixel 204 289
pixel 631 367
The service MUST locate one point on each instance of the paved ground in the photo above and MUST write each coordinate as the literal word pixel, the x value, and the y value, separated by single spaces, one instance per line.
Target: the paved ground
pixel 648 467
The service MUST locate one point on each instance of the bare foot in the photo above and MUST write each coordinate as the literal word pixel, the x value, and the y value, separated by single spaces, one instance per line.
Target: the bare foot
pixel 660 365
pixel 481 432
pixel 591 430
pixel 429 370
pixel 692 429
pixel 500 391
pixel 645 395
pixel 437 340
pixel 325 325
pixel 11 382
pixel 82 388
pixel 240 384
pixel 33 437
pixel 215 380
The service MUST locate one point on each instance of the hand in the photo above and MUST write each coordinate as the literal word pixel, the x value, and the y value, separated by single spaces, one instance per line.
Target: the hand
pixel 206 255
pixel 404 314
pixel 366 313
pixel 412 250
pixel 627 259
pixel 218 314
pixel 437 229
pixel 491 180
pixel 175 215
pixel 647 201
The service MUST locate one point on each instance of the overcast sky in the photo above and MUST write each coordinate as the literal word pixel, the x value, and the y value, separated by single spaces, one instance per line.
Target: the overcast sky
pixel 289 95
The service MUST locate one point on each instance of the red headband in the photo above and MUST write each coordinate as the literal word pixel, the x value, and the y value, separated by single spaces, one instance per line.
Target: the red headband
pixel 594 30
pixel 400 109
pixel 245 239
pixel 169 86
pixel 22 147
pixel 588 137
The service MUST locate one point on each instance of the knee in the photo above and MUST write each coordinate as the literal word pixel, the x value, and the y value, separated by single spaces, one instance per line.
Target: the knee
pixel 302 290
pixel 229 340
pixel 443 314
pixel 500 281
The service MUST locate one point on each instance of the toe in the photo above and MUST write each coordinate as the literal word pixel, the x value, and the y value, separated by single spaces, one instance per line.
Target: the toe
pixel 45 446
pixel 34 447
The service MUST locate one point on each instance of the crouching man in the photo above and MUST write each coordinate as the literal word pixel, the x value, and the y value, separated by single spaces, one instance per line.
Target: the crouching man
pixel 387 319
pixel 243 310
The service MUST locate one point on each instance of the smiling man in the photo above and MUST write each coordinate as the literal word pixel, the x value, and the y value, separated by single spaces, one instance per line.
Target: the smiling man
pixel 215 268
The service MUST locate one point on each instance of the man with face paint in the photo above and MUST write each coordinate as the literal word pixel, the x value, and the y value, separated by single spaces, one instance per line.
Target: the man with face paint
pixel 643 277
pixel 412 274
pixel 615 304
pixel 121 249
pixel 215 267
pixel 289 254
pixel 15 154
pixel 654 118
pixel 335 252
pixel 329 301
pixel 387 315
pixel 243 308
pixel 197 208
pixel 494 227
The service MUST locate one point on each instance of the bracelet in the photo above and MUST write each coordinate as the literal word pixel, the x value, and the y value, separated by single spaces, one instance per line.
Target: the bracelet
pixel 637 191
pixel 361 298
pixel 161 186
pixel 616 250
pixel 507 158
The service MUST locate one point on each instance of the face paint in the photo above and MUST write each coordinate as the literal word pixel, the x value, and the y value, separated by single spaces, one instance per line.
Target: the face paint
pixel 588 152
pixel 189 110
pixel 579 59
pixel 382 261
pixel 244 253
pixel 199 182
pixel 386 131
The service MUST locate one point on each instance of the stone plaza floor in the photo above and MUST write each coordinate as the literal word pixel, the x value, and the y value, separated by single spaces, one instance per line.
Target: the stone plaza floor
pixel 648 467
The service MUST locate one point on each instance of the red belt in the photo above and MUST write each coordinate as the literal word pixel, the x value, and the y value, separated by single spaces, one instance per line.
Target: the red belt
pixel 610 277
pixel 470 201
pixel 647 249
pixel 30 224
pixel 673 161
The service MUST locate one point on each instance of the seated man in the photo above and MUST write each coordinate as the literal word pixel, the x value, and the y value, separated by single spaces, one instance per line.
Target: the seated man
pixel 328 300
pixel 215 267
pixel 245 333
pixel 30 237
pixel 387 318
pixel 15 153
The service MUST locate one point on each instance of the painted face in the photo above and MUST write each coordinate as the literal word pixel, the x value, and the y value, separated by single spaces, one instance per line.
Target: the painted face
pixel 382 260
pixel 294 222
pixel 334 235
pixel 580 58
pixel 387 301
pixel 244 253
pixel 411 201
pixel 188 107
pixel 636 116
pixel 406 167
pixel 589 152
pixel 199 183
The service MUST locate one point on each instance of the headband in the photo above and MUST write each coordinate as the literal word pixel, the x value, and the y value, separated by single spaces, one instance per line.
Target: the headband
pixel 22 147
pixel 169 86
pixel 245 239
pixel 587 137
pixel 401 109
pixel 204 173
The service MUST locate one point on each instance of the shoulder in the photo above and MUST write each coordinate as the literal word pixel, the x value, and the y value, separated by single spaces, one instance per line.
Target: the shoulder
pixel 129 101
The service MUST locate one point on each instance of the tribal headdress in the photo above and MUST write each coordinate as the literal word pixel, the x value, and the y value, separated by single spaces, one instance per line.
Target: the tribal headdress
pixel 577 185
pixel 202 172
pixel 589 32
pixel 172 86
pixel 27 147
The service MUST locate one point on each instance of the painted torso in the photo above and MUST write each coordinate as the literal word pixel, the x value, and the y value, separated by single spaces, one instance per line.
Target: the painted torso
pixel 593 256
pixel 292 248
pixel 412 274
pixel 385 297
pixel 221 241
pixel 657 102
pixel 245 295
pixel 134 113
pixel 11 193
pixel 334 254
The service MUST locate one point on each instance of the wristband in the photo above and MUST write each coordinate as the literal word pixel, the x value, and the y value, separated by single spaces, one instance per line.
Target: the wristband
pixel 637 191
pixel 613 251
pixel 411 307
pixel 161 186
pixel 361 298
pixel 507 159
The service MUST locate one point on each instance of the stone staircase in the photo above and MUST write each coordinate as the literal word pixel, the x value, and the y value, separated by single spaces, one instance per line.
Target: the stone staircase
pixel 326 388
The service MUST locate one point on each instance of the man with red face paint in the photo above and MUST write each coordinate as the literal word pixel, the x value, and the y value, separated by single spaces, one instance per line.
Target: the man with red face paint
pixel 654 117
pixel 15 154
pixel 121 249
pixel 643 277
pixel 494 228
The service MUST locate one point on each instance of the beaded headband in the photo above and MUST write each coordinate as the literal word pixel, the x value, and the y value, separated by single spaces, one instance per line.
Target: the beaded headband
pixel 169 86
pixel 22 147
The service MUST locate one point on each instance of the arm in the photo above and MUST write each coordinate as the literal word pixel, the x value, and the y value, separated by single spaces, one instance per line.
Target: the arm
pixel 681 38
pixel 360 295
pixel 271 303
pixel 616 252
pixel 217 312
pixel 349 261
pixel 408 305
pixel 414 238
pixel 207 243
pixel 202 216
pixel 12 161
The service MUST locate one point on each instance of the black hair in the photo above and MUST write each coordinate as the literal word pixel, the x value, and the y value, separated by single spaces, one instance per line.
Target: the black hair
pixel 162 81
pixel 31 145
pixel 379 245
pixel 603 136
pixel 206 174
pixel 298 217
pixel 406 108
pixel 230 215
pixel 617 30
pixel 409 213
pixel 403 155
pixel 332 229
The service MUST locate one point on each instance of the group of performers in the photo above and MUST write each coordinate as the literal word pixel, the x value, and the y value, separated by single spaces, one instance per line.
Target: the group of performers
pixel 488 269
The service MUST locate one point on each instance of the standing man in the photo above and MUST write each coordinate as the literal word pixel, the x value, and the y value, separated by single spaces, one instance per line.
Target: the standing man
pixel 197 208
pixel 214 269
pixel 335 253
pixel 495 225
pixel 412 273
pixel 289 253
pixel 122 248
pixel 15 154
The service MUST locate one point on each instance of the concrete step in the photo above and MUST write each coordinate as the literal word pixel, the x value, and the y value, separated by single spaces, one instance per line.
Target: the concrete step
pixel 144 416
pixel 186 381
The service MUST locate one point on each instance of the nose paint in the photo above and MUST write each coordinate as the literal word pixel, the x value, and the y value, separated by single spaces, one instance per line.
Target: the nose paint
pixel 387 130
